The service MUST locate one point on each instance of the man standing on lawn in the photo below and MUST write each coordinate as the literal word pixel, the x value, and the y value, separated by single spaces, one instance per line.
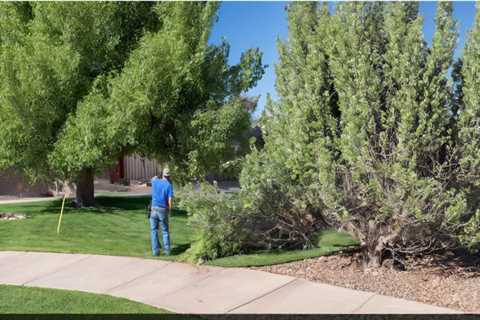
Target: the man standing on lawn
pixel 162 194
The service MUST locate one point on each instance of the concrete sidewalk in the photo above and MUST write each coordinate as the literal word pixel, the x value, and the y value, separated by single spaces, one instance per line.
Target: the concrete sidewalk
pixel 97 194
pixel 26 200
pixel 184 288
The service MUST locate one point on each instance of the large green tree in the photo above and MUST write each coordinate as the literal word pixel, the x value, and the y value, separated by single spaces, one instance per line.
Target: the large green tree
pixel 364 130
pixel 287 180
pixel 395 168
pixel 84 83
pixel 469 132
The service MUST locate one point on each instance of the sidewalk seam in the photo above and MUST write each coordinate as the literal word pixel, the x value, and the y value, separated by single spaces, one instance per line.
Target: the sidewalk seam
pixel 192 283
pixel 55 270
pixel 363 303
pixel 109 290
pixel 261 296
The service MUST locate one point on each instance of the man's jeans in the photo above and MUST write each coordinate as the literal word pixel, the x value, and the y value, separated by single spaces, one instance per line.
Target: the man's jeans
pixel 159 216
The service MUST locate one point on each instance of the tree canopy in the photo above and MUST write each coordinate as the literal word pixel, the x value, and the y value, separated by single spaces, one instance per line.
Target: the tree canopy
pixel 83 83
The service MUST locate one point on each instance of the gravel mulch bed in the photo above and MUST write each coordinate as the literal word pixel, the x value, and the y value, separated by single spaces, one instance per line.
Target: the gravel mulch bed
pixel 452 285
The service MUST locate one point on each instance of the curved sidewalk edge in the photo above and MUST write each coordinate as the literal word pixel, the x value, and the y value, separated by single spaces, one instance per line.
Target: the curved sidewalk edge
pixel 185 288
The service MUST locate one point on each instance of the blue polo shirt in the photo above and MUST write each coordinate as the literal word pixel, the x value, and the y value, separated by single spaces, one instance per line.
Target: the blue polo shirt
pixel 161 191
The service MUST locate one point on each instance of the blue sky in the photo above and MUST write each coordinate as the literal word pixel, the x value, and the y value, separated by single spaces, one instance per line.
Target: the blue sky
pixel 258 24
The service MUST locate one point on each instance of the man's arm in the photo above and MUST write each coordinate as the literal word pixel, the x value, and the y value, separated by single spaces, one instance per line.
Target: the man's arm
pixel 151 182
pixel 170 197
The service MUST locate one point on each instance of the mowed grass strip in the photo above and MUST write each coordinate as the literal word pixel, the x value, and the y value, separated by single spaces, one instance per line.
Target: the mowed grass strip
pixel 327 242
pixel 28 300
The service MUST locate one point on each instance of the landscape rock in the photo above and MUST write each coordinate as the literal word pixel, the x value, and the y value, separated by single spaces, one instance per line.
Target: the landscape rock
pixel 12 216
pixel 451 286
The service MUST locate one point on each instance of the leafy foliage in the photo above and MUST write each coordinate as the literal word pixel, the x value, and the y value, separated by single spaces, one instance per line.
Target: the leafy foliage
pixel 173 87
pixel 45 70
pixel 218 220
pixel 224 226
pixel 83 83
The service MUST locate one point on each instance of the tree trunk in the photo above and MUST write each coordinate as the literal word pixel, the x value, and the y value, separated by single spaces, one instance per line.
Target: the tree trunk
pixel 85 196
pixel 372 259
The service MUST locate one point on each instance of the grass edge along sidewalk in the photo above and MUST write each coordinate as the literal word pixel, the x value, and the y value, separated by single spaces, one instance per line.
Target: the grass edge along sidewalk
pixel 31 300
pixel 119 227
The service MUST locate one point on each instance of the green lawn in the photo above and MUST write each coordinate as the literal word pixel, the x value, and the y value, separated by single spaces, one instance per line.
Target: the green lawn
pixel 328 242
pixel 119 227
pixel 16 299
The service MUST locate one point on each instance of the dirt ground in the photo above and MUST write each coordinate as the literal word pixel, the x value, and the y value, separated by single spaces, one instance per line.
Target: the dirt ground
pixel 452 285
pixel 103 185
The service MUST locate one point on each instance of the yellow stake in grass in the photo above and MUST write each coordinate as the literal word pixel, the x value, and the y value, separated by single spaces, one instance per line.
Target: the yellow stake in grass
pixel 61 214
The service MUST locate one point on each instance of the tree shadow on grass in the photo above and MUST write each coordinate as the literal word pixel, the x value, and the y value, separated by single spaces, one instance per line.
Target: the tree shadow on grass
pixel 179 213
pixel 179 249
pixel 123 203
pixel 104 205
pixel 139 203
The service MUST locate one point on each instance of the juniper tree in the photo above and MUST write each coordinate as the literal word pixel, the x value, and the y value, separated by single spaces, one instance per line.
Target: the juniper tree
pixel 362 129
pixel 469 133
pixel 469 115
pixel 356 61
pixel 432 134
pixel 287 179
pixel 404 59
pixel 396 191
